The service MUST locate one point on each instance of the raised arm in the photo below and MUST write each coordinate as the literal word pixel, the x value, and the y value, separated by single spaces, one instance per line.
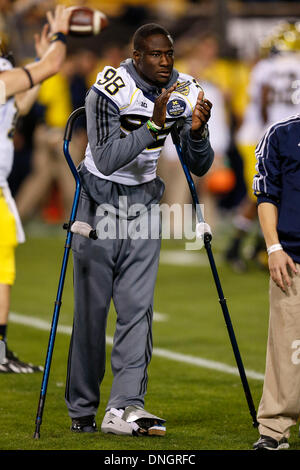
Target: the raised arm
pixel 18 80
pixel 26 99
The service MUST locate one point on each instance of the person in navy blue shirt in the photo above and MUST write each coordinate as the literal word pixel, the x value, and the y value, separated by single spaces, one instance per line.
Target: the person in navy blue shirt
pixel 277 188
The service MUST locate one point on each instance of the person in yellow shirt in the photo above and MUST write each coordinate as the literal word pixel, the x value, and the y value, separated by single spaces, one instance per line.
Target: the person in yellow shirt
pixel 18 90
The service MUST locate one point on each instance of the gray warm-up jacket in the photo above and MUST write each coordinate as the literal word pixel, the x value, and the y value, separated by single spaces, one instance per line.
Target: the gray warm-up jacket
pixel 121 148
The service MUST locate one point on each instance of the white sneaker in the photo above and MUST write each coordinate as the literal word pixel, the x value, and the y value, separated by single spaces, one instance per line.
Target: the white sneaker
pixel 114 424
pixel 147 423
pixel 133 421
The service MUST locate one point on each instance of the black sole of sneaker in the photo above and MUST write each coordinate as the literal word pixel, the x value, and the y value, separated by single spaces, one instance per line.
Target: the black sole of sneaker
pixel 81 431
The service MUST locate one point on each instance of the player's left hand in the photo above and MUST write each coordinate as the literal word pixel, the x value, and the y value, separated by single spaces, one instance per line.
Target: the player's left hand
pixel 60 20
pixel 42 41
pixel 201 114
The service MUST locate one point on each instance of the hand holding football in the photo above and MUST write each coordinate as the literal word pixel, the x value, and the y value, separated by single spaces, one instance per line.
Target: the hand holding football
pixel 85 21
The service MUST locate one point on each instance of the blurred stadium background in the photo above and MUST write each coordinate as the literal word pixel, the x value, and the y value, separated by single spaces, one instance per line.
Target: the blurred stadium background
pixel 219 42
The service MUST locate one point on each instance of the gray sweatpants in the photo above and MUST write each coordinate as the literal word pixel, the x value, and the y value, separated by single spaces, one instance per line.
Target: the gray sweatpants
pixel 125 271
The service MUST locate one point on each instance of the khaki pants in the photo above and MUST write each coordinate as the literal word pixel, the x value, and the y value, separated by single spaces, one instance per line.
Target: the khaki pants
pixel 279 407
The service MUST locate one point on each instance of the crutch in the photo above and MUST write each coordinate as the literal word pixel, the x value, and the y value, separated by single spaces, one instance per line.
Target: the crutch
pixel 207 237
pixel 71 228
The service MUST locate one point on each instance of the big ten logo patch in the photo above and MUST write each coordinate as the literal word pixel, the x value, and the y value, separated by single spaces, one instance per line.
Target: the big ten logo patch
pixel 296 354
pixel 183 88
pixel 176 107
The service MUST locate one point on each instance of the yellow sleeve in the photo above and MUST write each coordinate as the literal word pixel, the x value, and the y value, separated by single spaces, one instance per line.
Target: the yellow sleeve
pixel 56 97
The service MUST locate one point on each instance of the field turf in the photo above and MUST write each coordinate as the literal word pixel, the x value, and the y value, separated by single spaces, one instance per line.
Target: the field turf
pixel 205 408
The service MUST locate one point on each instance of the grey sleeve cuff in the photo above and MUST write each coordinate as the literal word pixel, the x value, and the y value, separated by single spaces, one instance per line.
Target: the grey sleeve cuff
pixel 199 155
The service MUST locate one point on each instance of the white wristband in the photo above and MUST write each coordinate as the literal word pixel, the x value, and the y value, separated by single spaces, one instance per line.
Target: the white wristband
pixel 273 248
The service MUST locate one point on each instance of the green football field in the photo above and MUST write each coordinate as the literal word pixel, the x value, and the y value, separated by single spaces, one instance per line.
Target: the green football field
pixel 193 380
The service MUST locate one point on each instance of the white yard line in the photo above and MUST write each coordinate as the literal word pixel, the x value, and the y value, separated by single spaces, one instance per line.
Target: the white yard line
pixel 186 258
pixel 182 258
pixel 171 355
pixel 160 316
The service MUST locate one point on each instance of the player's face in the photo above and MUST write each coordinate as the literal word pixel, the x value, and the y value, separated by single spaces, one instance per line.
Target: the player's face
pixel 155 62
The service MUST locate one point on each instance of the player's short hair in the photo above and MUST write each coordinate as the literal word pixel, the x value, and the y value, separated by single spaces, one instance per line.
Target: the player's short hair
pixel 150 29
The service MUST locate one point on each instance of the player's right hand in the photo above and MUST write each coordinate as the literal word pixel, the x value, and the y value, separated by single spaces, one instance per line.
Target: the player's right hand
pixel 280 266
pixel 160 106
pixel 59 22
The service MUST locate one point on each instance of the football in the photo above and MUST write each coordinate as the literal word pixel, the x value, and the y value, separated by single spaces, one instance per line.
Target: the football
pixel 85 21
